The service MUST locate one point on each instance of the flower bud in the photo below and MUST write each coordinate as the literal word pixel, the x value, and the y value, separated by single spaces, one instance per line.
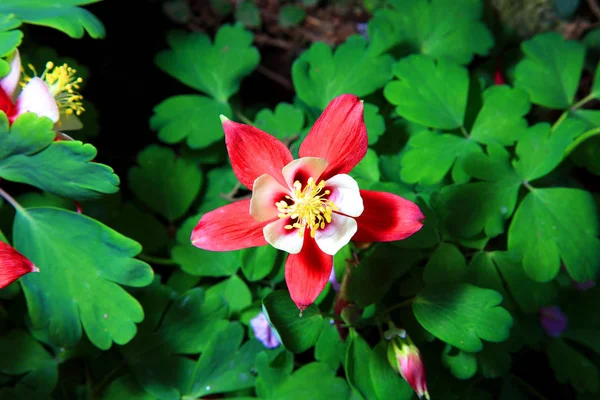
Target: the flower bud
pixel 405 358
pixel 553 320
pixel 13 265
pixel 264 332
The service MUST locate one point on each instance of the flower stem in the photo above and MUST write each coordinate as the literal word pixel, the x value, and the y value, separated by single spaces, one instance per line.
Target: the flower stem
pixel 574 107
pixel 156 260
pixel 580 139
pixel 399 305
pixel 9 199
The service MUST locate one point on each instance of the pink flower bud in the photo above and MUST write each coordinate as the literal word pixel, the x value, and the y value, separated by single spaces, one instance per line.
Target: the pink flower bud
pixel 263 331
pixel 13 265
pixel 406 359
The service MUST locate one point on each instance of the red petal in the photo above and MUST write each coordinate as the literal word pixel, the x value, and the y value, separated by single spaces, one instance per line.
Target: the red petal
pixel 13 265
pixel 339 136
pixel 254 152
pixel 230 227
pixel 307 273
pixel 387 217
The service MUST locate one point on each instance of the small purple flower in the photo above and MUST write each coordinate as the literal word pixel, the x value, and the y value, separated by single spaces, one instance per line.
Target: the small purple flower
pixel 553 320
pixel 584 286
pixel 263 331
pixel 334 283
pixel 361 28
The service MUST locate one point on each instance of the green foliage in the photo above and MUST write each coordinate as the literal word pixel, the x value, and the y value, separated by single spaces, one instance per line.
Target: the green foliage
pixel 291 15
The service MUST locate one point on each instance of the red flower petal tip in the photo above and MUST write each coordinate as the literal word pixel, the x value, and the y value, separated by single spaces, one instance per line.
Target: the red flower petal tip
pixel 13 265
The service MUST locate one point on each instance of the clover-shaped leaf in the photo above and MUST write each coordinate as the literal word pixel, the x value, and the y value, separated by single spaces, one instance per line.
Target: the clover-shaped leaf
pixel 176 179
pixel 570 365
pixel 319 74
pixel 429 93
pixel 448 29
pixel 191 117
pixel 213 68
pixel 9 39
pixel 82 262
pixel 285 122
pixel 554 225
pixel 62 15
pixel 29 155
pixel 551 70
pixel 463 315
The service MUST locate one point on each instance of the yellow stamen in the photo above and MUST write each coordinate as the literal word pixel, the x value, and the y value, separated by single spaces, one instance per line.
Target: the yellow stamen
pixel 63 85
pixel 309 208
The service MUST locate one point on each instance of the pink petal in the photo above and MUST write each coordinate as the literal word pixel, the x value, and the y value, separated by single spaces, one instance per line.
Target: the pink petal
pixel 387 217
pixel 36 97
pixel 10 82
pixel 345 195
pixel 230 227
pixel 264 332
pixel 302 169
pixel 339 136
pixel 265 193
pixel 254 153
pixel 13 265
pixel 336 234
pixel 307 272
pixel 287 240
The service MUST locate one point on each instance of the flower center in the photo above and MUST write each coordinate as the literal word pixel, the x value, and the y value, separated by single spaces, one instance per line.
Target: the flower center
pixel 310 207
pixel 63 84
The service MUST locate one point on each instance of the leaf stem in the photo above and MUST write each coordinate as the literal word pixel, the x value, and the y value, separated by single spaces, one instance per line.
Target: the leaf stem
pixel 156 260
pixel 399 305
pixel 244 119
pixel 528 186
pixel 527 386
pixel 580 139
pixel 9 199
pixel 464 132
pixel 574 107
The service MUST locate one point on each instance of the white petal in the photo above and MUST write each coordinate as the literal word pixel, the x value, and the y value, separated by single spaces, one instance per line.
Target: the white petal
pixel 336 234
pixel 266 191
pixel 283 239
pixel 36 98
pixel 345 195
pixel 302 169
pixel 10 82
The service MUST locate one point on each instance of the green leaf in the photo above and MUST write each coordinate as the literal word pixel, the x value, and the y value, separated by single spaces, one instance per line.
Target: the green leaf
pixel 501 119
pixel 235 293
pixel 529 294
pixel 541 150
pixel 200 262
pixel 554 225
pixel 191 117
pixel 366 172
pixel 61 15
pixel 375 274
pixel 285 122
pixel 583 326
pixel 215 69
pixel 330 348
pixel 298 331
pixel 482 206
pixel 258 262
pixel 291 15
pixel 441 28
pixel 125 387
pixel 463 315
pixel 29 155
pixel 428 235
pixel 176 179
pixel 446 265
pixel 82 262
pixel 440 151
pixel 22 355
pixel 374 121
pixel 494 360
pixel 141 227
pixel 225 366
pixel 429 93
pixel 483 273
pixel 219 182
pixel 551 70
pixel 187 327
pixel 356 366
pixel 462 365
pixel 320 75
pixel 248 14
pixel 570 365
pixel 387 384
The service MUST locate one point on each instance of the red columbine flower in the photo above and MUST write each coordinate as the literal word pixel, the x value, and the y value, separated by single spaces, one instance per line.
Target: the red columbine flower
pixel 13 265
pixel 308 207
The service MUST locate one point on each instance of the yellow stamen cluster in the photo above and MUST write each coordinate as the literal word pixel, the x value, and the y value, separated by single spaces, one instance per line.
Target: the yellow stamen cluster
pixel 309 208
pixel 63 85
